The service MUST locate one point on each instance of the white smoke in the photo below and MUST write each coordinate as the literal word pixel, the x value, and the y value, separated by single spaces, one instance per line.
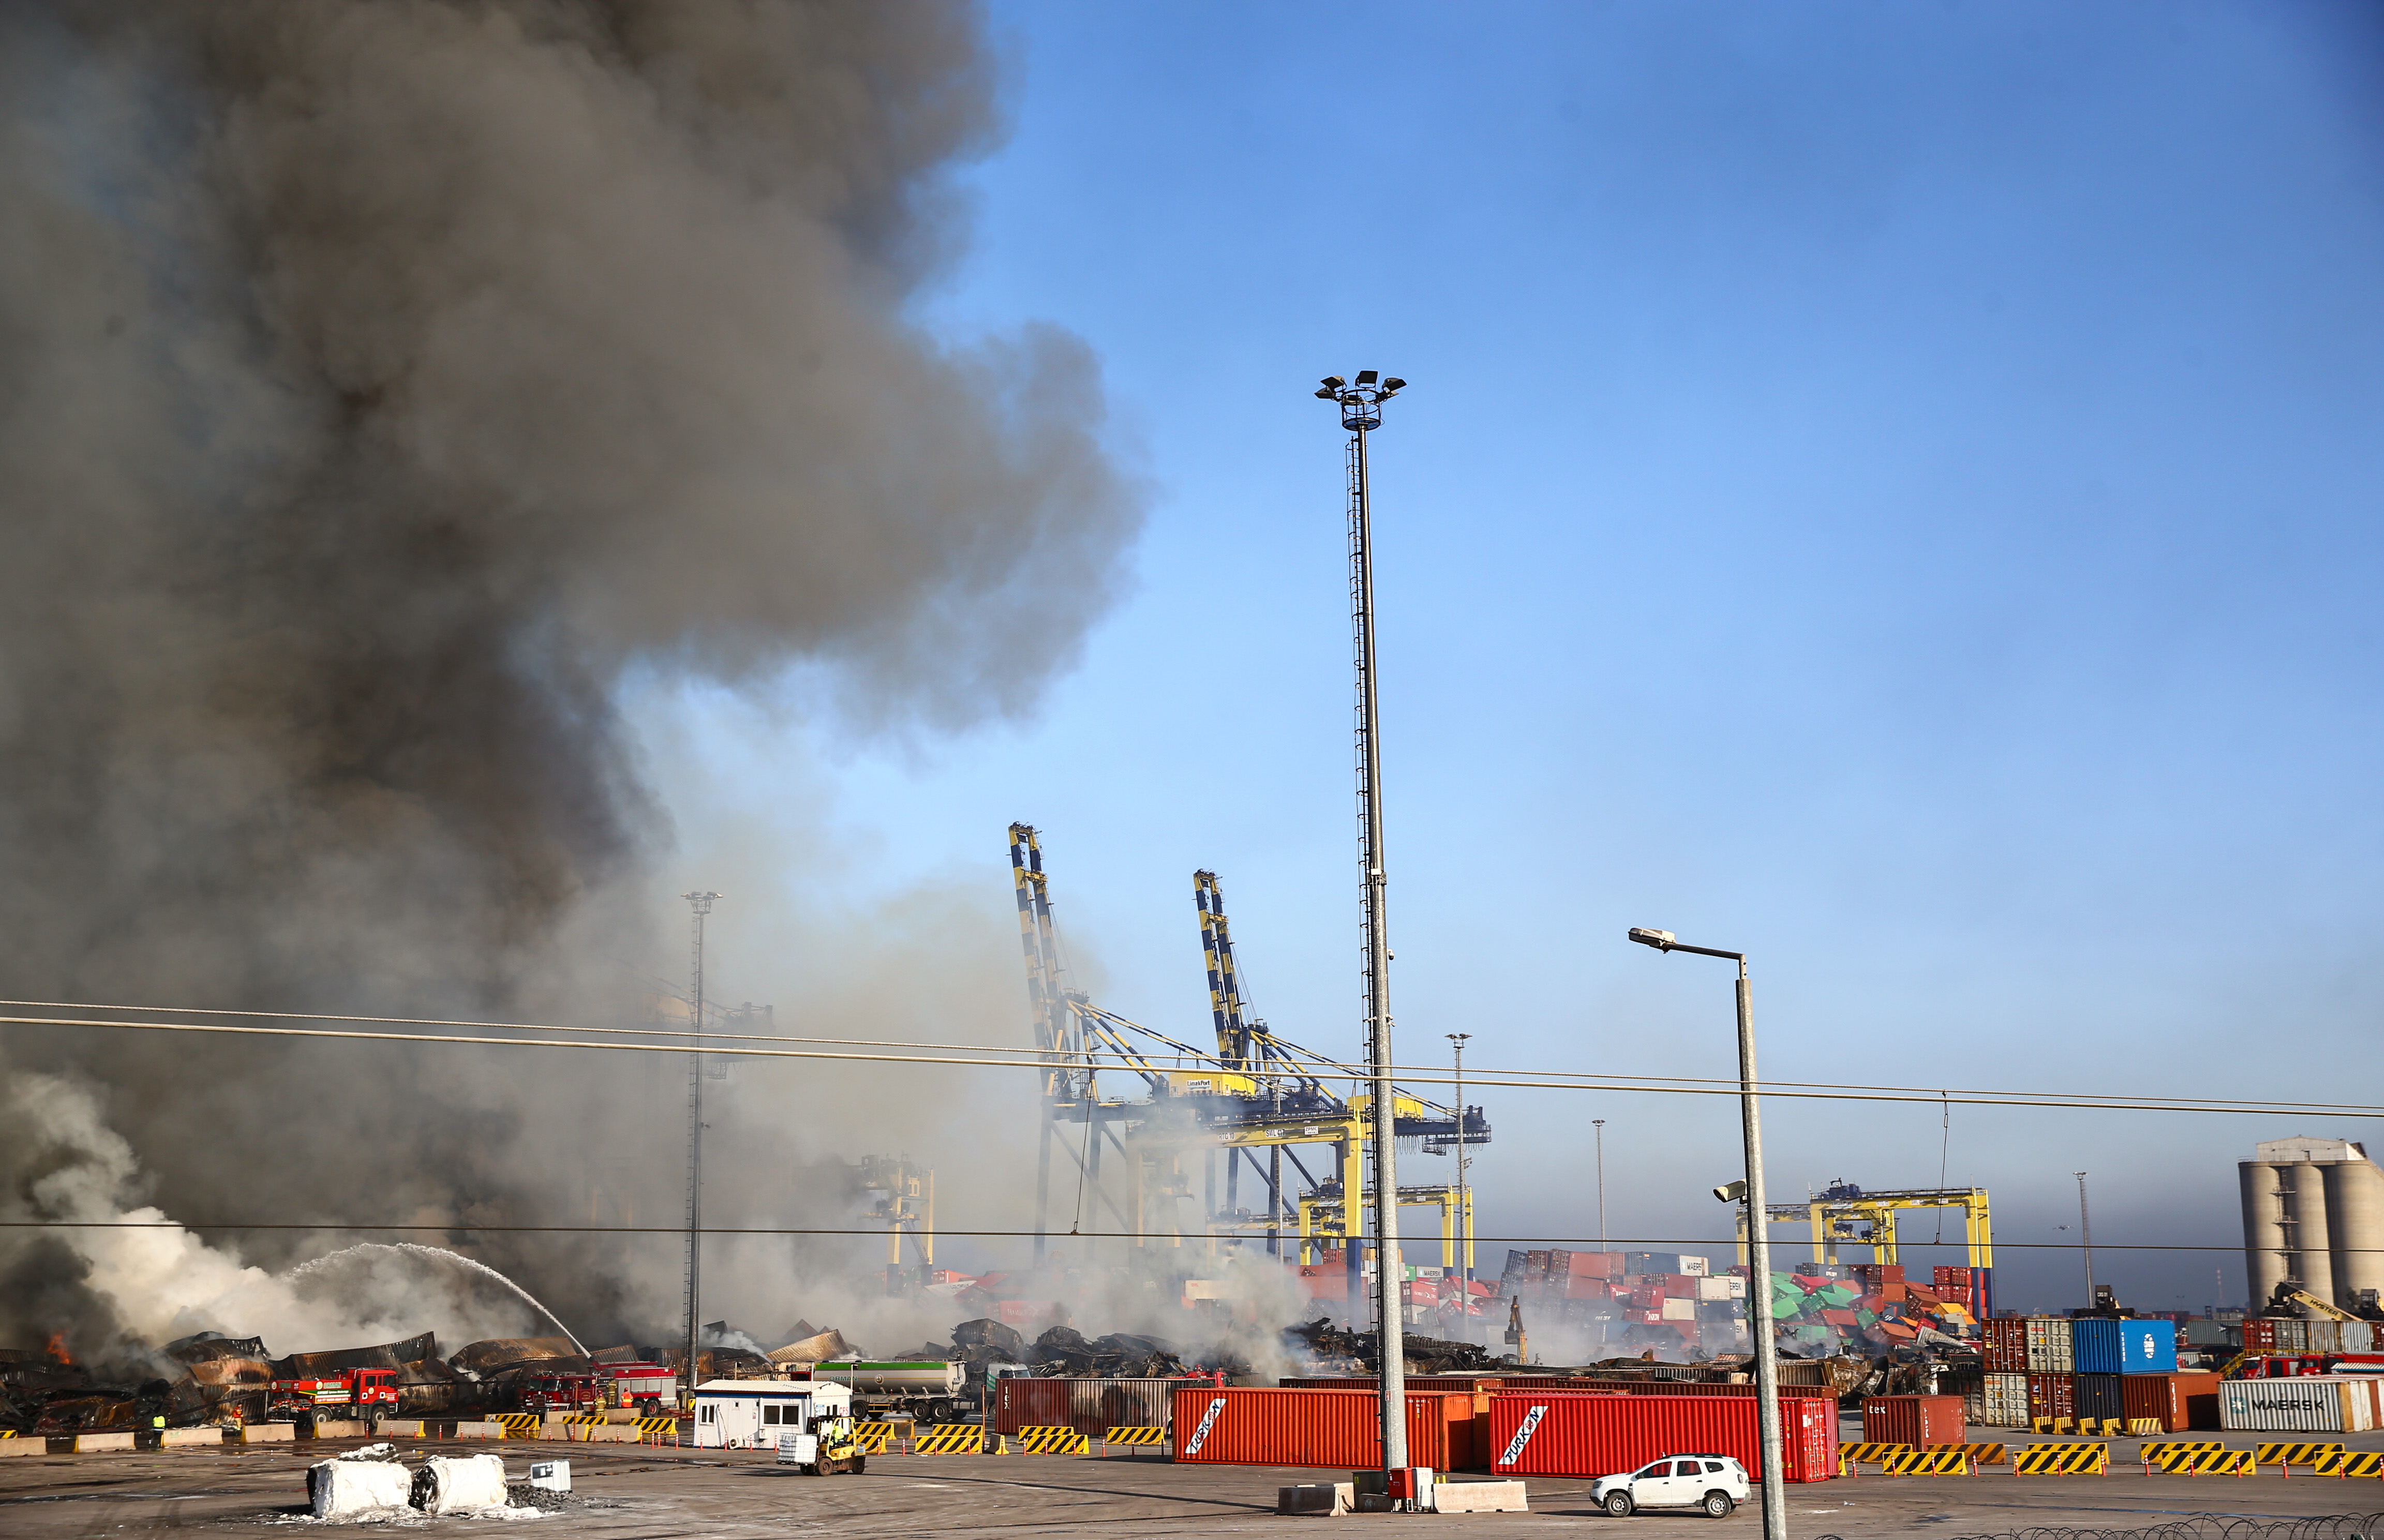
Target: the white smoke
pixel 162 1282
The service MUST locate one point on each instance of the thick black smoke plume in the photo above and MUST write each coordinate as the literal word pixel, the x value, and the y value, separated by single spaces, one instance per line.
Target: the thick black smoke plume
pixel 381 384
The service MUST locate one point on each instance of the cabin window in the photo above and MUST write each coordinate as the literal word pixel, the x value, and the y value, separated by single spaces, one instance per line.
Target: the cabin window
pixel 706 1414
pixel 770 1413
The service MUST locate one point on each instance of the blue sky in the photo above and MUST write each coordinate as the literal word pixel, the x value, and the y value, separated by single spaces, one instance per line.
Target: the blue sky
pixel 1890 488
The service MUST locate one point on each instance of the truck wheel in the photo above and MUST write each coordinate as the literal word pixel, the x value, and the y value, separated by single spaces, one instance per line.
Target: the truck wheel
pixel 860 1464
pixel 1717 1505
pixel 1619 1506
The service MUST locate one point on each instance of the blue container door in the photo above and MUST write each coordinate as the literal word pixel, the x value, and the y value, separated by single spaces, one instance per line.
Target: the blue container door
pixel 2096 1342
pixel 2151 1347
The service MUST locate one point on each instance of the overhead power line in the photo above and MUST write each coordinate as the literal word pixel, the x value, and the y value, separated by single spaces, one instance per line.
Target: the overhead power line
pixel 981 1056
pixel 1619 1242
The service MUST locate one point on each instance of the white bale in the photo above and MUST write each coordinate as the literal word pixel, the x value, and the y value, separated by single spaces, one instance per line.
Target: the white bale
pixel 460 1483
pixel 343 1489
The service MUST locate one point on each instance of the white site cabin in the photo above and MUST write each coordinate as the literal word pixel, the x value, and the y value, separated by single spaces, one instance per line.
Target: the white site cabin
pixel 751 1414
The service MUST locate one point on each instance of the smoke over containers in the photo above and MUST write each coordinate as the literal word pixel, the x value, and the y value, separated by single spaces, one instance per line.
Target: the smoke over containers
pixel 393 388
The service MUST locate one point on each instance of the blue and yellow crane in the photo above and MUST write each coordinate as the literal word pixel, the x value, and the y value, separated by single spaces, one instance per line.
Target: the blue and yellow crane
pixel 1256 1091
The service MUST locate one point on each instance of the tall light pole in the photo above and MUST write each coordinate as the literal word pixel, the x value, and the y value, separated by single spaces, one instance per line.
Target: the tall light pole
pixel 1758 1287
pixel 1464 1214
pixel 1361 413
pixel 701 904
pixel 1599 1124
pixel 2086 1235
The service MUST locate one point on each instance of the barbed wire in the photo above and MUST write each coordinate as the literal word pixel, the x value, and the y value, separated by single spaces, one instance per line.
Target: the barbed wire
pixel 2205 1526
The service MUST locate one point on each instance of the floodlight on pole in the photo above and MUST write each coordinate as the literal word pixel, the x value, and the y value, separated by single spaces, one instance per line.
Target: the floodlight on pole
pixel 1758 1283
pixel 1361 413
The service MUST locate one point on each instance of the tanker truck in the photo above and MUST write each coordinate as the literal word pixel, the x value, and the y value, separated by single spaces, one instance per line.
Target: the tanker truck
pixel 928 1392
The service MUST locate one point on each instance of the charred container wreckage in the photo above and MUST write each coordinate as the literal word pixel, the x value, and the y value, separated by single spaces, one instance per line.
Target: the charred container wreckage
pixel 211 1378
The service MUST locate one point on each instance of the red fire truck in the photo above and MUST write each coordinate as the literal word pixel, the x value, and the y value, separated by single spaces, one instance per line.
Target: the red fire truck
pixel 354 1395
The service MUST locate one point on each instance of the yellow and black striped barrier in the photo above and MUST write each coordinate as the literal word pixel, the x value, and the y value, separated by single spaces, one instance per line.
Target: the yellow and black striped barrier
pixel 584 1419
pixel 2342 1465
pixel 1930 1462
pixel 2144 1427
pixel 653 1429
pixel 1977 1454
pixel 2062 1460
pixel 1053 1441
pixel 873 1438
pixel 2052 1427
pixel 2287 1456
pixel 2212 1463
pixel 518 1424
pixel 952 1438
pixel 1852 1454
pixel 1134 1438
pixel 2167 1457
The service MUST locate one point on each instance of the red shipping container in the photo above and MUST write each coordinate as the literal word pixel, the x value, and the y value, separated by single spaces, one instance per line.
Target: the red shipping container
pixel 1579 1287
pixel 1914 1420
pixel 2052 1395
pixel 1678 1285
pixel 1574 1433
pixel 2177 1401
pixel 1875 1274
pixel 1951 1277
pixel 1596 1264
pixel 1414 1381
pixel 2006 1345
pixel 2259 1335
pixel 1023 1403
pixel 1329 1429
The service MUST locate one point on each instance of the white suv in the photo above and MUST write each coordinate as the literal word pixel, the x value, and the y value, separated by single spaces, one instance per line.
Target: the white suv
pixel 1715 1483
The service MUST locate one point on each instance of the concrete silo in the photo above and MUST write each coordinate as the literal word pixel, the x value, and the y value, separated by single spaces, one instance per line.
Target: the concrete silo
pixel 2313 1212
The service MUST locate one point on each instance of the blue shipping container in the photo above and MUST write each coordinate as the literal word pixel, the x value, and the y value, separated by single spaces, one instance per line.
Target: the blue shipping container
pixel 2150 1347
pixel 2096 1341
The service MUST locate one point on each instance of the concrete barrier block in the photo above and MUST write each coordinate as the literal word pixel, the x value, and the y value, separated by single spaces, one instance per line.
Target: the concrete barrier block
pixel 1479 1496
pixel 401 1427
pixel 340 1430
pixel 268 1433
pixel 603 1433
pixel 479 1430
pixel 620 1415
pixel 190 1438
pixel 22 1445
pixel 1321 1499
pixel 103 1443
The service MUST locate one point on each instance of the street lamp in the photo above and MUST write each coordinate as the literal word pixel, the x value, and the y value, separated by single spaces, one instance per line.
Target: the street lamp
pixel 1758 1289
pixel 1464 1214
pixel 1361 413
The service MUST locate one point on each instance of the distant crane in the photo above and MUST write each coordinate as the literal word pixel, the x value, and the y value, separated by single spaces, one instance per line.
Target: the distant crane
pixel 1257 1091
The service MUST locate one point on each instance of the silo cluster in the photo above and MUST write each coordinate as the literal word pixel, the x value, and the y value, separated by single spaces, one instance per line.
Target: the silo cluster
pixel 2314 1211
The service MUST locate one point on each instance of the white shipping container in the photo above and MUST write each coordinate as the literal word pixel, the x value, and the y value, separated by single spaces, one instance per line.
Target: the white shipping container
pixel 2325 1336
pixel 2305 1403
pixel 1720 1288
pixel 1680 1309
pixel 2004 1400
pixel 2050 1350
pixel 2358 1336
pixel 1694 1267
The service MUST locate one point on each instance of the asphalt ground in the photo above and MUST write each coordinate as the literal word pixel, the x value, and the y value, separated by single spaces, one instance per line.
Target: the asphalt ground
pixel 629 1492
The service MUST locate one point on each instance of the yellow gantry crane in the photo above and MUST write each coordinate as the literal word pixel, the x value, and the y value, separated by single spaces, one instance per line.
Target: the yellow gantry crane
pixel 1846 1214
pixel 1256 1091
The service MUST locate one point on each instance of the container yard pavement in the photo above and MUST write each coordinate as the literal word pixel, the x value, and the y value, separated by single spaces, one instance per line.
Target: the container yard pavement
pixel 642 1493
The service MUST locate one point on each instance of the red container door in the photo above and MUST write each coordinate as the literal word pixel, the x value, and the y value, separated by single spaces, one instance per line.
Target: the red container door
pixel 1029 1403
